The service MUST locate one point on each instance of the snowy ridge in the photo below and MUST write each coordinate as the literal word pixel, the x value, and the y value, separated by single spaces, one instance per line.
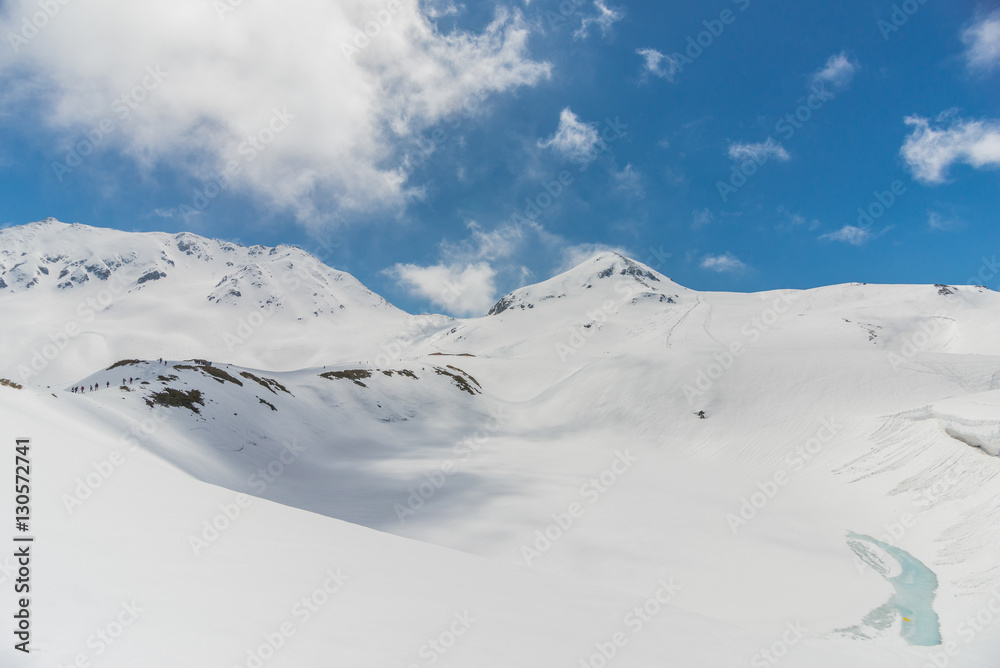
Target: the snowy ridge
pixel 729 444
pixel 102 295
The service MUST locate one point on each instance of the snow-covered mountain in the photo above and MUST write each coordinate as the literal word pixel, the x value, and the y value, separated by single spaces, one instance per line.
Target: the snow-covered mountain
pixel 84 297
pixel 606 469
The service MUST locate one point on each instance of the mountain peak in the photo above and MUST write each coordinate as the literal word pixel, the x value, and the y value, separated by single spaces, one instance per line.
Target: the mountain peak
pixel 107 292
pixel 611 263
pixel 607 275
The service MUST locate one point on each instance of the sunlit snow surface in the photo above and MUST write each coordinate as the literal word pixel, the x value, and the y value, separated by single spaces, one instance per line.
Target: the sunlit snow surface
pixel 913 601
pixel 762 427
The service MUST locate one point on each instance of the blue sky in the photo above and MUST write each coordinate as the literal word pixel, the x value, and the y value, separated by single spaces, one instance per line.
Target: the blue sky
pixel 411 157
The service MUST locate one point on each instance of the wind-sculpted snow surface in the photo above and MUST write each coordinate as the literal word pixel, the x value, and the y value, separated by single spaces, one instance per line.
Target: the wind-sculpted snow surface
pixel 609 470
pixel 974 420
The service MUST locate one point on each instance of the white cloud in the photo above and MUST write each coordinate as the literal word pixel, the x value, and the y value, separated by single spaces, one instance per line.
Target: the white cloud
pixel 849 234
pixel 658 64
pixel 493 245
pixel 464 280
pixel 354 113
pixel 938 223
pixel 574 138
pixel 463 291
pixel 837 73
pixel 701 218
pixel 933 147
pixel 982 41
pixel 629 181
pixel 437 8
pixel 725 263
pixel 759 152
pixel 605 18
pixel 164 213
pixel 794 220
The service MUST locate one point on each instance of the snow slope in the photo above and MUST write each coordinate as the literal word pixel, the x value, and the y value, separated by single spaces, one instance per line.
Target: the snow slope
pixel 83 297
pixel 601 432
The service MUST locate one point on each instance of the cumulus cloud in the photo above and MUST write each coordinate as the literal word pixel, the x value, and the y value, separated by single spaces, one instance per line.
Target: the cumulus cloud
pixel 463 291
pixel 727 263
pixel 837 73
pixel 464 280
pixel 850 234
pixel 605 18
pixel 982 43
pixel 574 138
pixel 658 64
pixel 356 100
pixel 759 152
pixel 934 146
